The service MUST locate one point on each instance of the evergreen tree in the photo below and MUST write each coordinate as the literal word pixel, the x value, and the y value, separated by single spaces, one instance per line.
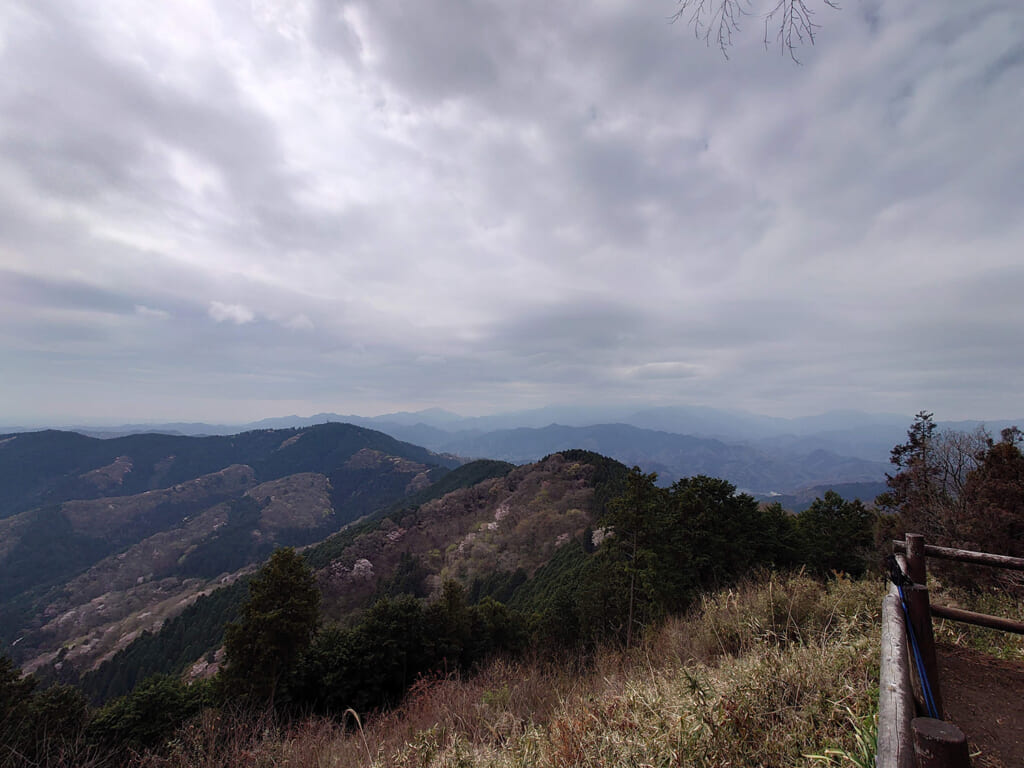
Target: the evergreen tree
pixel 994 494
pixel 450 625
pixel 149 715
pixel 779 537
pixel 277 624
pixel 368 665
pixel 836 534
pixel 37 725
pixel 631 557
pixel 927 491
pixel 15 689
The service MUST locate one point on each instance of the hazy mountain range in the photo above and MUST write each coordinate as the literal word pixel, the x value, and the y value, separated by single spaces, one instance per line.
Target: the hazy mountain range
pixel 848 433
pixel 760 454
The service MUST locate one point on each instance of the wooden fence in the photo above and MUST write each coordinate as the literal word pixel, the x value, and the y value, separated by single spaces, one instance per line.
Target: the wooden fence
pixel 904 739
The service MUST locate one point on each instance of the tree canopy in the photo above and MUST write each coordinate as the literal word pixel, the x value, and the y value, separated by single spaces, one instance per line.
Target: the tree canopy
pixel 836 534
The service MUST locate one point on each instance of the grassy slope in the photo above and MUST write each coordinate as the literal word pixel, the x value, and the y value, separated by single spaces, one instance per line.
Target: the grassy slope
pixel 761 675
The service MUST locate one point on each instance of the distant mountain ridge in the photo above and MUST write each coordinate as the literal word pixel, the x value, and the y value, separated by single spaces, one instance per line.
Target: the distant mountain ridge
pixel 868 436
pixel 764 455
pixel 38 468
pixel 673 456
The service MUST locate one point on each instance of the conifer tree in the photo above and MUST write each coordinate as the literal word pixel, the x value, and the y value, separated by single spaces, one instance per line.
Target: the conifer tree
pixel 837 534
pixel 994 493
pixel 630 552
pixel 278 622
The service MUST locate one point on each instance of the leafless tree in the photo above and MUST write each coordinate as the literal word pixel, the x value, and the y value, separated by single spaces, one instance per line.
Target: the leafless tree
pixel 791 22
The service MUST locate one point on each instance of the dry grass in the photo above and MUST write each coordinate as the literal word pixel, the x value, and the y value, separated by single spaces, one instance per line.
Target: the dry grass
pixel 762 675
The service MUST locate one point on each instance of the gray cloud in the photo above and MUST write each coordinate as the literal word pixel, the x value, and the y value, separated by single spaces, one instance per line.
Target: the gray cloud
pixel 233 212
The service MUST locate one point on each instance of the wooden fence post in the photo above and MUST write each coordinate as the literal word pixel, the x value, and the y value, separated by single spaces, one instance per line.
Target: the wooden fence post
pixel 916 568
pixel 921 617
pixel 938 744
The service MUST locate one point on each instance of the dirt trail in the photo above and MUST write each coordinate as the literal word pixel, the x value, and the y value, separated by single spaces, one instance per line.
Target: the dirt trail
pixel 985 697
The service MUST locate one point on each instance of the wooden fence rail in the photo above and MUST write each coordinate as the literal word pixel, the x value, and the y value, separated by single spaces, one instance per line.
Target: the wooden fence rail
pixel 965 555
pixel 895 696
pixel 905 740
pixel 962 556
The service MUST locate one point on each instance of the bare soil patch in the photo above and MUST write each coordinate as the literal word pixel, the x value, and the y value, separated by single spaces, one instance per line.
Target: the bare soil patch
pixel 985 697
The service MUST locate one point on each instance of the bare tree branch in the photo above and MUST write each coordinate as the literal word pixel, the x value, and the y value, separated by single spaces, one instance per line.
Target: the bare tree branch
pixel 713 18
pixel 717 20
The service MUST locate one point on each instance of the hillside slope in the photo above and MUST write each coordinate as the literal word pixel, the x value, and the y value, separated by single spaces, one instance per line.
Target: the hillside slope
pixel 492 536
pixel 764 674
pixel 489 525
pixel 51 467
pixel 130 530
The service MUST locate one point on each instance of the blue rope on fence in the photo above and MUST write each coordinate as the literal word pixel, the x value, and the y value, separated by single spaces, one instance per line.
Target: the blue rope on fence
pixel 922 675
pixel 900 579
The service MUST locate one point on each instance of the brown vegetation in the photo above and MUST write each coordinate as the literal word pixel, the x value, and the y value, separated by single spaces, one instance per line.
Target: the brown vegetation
pixel 301 500
pixel 761 675
pixel 102 517
pixel 111 475
pixel 499 525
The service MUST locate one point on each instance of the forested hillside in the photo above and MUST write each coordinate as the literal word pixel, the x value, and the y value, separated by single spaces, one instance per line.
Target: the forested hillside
pixel 567 554
pixel 199 630
pixel 539 539
pixel 50 467
pixel 106 539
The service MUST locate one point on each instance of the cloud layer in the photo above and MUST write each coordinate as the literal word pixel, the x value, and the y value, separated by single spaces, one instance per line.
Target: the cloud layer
pixel 234 210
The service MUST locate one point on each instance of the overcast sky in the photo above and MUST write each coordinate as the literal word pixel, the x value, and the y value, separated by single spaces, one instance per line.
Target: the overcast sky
pixel 230 210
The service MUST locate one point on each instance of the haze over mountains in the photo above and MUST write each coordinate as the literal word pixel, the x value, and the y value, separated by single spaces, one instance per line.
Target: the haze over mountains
pixel 694 420
pixel 760 454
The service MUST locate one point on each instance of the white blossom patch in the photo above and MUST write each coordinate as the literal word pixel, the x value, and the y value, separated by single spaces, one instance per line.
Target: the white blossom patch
pixel 466 542
pixel 600 534
pixel 362 569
